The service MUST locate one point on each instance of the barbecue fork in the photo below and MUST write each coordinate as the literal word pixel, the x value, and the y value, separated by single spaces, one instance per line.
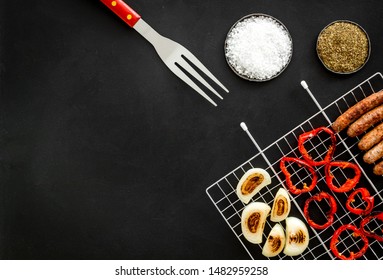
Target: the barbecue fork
pixel 171 52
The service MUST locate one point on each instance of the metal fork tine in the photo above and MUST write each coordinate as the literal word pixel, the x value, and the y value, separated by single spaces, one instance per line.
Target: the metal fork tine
pixel 196 75
pixel 190 82
pixel 202 67
pixel 172 52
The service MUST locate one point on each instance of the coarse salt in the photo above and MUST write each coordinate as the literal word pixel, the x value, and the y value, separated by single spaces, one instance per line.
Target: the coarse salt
pixel 258 47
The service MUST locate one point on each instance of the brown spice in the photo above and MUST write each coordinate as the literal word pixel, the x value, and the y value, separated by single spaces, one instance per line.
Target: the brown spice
pixel 275 243
pixel 253 222
pixel 297 237
pixel 281 204
pixel 251 183
pixel 343 47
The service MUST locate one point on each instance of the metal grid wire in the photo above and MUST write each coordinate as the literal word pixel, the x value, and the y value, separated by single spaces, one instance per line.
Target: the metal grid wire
pixel 223 192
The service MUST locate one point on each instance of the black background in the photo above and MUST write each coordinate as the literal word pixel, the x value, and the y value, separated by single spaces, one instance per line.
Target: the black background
pixel 105 154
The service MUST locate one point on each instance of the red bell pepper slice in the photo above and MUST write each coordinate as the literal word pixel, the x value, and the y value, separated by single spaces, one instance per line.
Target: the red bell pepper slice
pixel 293 188
pixel 356 233
pixel 330 214
pixel 350 182
pixel 310 134
pixel 365 196
pixel 371 234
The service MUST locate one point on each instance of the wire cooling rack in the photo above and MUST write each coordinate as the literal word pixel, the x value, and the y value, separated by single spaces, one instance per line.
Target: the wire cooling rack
pixel 223 192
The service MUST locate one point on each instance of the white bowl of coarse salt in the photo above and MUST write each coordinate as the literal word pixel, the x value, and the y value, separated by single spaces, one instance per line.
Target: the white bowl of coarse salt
pixel 258 47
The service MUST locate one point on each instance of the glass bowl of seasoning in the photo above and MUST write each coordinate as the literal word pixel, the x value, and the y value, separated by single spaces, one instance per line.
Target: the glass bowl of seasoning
pixel 343 47
pixel 258 47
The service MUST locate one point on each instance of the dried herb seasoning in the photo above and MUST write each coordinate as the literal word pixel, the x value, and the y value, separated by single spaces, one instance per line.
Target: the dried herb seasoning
pixel 343 47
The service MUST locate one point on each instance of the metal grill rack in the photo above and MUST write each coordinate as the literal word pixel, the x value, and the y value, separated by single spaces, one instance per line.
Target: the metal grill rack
pixel 223 192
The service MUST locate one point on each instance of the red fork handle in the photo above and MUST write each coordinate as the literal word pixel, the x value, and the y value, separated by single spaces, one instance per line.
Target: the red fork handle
pixel 121 9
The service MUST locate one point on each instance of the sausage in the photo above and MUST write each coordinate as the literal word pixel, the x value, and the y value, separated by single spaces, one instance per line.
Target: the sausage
pixel 371 138
pixel 356 111
pixel 366 121
pixel 378 168
pixel 374 154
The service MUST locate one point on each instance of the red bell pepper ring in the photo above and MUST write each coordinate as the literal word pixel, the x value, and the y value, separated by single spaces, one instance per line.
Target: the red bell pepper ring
pixel 310 134
pixel 350 182
pixel 293 188
pixel 356 233
pixel 365 196
pixel 330 214
pixel 371 234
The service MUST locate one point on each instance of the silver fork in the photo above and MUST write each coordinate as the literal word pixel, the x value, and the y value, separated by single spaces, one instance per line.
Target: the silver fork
pixel 172 53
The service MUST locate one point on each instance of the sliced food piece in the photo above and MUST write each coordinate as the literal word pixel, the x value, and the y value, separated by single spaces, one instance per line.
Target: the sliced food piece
pixel 297 164
pixel 251 183
pixel 281 206
pixel 297 237
pixel 275 242
pixel 253 221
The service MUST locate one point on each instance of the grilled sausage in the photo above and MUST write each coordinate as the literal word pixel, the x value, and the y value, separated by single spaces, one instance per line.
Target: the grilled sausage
pixel 372 138
pixel 378 168
pixel 366 121
pixel 356 111
pixel 374 154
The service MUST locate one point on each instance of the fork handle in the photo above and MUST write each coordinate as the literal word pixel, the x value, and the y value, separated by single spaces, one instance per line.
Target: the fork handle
pixel 121 9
